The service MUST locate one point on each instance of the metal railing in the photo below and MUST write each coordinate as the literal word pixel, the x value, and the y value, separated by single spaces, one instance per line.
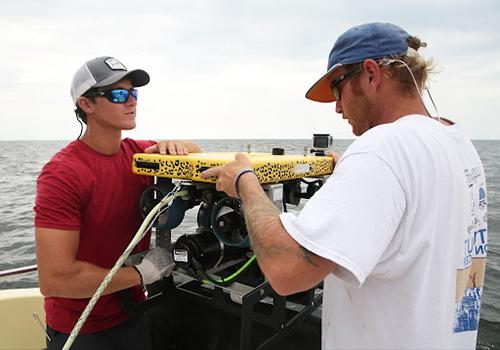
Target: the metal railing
pixel 18 271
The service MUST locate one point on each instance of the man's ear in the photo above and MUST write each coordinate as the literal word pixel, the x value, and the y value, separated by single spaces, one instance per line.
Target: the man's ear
pixel 375 76
pixel 373 70
pixel 85 104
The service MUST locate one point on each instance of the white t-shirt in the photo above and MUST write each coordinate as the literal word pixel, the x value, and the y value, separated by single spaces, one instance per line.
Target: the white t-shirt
pixel 404 217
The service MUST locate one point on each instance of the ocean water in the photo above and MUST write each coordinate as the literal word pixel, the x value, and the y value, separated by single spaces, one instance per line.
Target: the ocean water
pixel 21 161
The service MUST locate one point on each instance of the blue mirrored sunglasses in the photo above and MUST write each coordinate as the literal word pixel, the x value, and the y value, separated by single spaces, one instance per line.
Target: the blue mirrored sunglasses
pixel 116 95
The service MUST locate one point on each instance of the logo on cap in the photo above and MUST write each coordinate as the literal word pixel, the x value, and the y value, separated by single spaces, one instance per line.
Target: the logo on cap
pixel 114 64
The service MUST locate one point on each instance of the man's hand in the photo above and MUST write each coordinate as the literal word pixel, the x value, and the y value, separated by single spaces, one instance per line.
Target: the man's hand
pixel 169 147
pixel 155 264
pixel 334 155
pixel 226 174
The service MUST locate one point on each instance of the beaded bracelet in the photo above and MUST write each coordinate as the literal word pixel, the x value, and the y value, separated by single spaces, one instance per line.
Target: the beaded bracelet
pixel 237 179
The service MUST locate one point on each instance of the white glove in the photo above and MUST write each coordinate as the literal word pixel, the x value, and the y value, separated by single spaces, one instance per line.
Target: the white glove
pixel 157 263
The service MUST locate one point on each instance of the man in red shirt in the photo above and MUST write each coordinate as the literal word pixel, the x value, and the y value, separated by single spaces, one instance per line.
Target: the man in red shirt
pixel 87 211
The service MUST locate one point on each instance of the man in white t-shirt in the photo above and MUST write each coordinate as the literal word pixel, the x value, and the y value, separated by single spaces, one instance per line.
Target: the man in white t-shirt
pixel 399 231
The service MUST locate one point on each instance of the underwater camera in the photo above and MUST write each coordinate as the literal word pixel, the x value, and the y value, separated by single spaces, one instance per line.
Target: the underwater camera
pixel 221 234
pixel 214 260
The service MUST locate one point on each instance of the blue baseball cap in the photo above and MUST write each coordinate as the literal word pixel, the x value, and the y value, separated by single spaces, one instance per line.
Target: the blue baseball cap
pixel 369 40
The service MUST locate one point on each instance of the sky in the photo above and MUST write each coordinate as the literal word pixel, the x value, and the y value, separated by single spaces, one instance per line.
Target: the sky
pixel 233 69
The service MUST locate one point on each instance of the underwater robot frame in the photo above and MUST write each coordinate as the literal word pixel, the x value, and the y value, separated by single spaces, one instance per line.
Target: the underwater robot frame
pixel 215 264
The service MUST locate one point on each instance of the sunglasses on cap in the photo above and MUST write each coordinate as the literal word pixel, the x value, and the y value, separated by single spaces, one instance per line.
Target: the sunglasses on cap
pixel 334 85
pixel 116 95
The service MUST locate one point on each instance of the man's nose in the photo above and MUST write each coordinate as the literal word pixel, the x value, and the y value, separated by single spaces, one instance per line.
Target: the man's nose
pixel 338 106
pixel 131 101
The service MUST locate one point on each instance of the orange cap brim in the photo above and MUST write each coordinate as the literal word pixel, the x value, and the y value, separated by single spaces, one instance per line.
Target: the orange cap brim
pixel 320 91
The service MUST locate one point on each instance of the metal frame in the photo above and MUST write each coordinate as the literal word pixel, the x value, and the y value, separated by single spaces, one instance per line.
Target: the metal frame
pixel 276 315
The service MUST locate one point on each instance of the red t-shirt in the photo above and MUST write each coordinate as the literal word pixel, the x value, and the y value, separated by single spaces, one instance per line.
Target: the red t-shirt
pixel 98 195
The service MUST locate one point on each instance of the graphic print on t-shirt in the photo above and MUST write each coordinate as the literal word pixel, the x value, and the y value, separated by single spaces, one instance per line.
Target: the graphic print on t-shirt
pixel 470 277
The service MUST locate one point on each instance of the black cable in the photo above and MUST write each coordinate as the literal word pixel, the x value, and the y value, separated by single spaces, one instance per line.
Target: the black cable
pixel 81 126
pixel 312 182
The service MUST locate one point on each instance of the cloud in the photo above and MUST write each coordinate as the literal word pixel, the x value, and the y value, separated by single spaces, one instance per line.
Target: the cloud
pixel 230 69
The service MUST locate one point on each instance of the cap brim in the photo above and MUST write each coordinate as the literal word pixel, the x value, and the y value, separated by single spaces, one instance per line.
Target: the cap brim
pixel 320 91
pixel 138 77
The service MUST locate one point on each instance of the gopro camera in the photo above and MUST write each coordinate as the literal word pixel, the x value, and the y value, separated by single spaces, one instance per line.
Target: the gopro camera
pixel 321 143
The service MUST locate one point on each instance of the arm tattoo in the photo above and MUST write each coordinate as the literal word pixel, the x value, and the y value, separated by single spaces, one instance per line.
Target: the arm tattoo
pixel 262 217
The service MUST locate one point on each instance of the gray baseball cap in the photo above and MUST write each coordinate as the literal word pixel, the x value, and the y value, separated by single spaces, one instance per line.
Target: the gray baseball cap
pixel 103 71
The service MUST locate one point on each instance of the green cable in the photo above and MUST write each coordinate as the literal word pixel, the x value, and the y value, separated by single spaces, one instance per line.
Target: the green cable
pixel 234 275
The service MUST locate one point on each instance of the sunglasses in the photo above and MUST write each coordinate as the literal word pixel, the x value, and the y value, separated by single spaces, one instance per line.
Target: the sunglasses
pixel 334 85
pixel 116 95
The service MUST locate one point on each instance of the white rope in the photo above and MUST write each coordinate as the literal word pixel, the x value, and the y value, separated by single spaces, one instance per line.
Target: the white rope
pixel 138 236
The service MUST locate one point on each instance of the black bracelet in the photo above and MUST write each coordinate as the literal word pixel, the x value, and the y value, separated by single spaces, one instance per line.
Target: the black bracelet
pixel 237 179
pixel 140 276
